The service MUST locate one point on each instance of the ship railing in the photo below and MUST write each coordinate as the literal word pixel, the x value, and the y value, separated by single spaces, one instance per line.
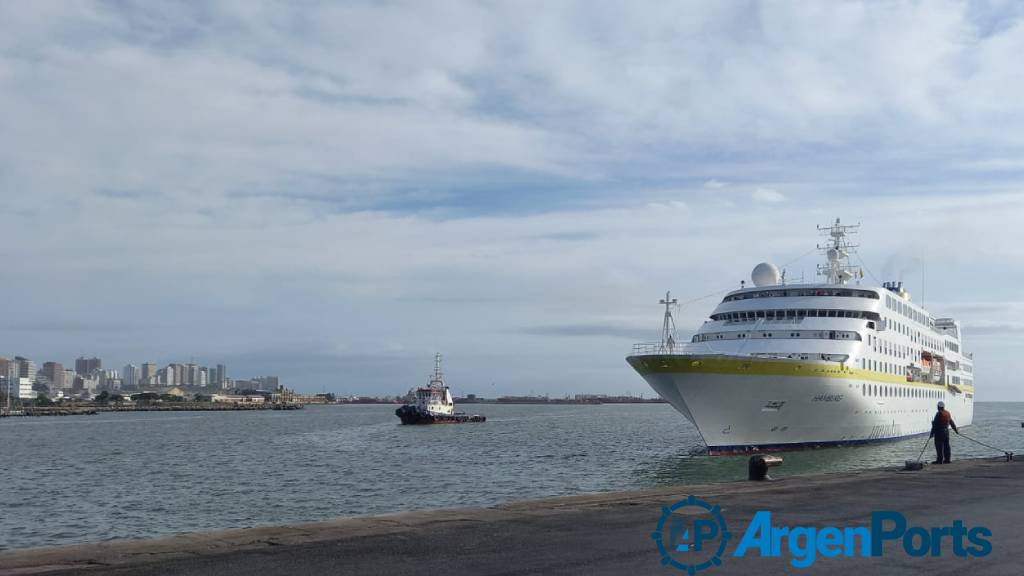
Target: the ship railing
pixel 691 348
pixel 654 348
pixel 663 349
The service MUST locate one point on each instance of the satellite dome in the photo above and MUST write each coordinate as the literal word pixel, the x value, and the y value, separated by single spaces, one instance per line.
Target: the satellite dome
pixel 765 274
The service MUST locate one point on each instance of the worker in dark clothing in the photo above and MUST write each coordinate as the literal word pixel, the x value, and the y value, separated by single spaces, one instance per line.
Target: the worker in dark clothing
pixel 940 430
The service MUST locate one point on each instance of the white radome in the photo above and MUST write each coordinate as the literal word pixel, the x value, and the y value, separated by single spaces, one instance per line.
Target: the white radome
pixel 765 274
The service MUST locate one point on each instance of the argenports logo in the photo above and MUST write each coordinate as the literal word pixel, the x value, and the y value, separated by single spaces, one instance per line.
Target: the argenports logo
pixel 692 536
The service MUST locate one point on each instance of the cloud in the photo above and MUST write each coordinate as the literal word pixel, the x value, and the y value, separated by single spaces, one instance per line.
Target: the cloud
pixel 981 328
pixel 670 205
pixel 768 195
pixel 63 327
pixel 235 178
pixel 592 330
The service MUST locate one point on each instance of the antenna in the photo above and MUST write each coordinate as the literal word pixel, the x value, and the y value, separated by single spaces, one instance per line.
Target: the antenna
pixel 922 281
pixel 838 270
pixel 437 369
pixel 668 329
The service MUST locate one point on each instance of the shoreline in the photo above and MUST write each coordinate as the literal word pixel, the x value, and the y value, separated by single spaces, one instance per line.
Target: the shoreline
pixel 363 538
pixel 183 407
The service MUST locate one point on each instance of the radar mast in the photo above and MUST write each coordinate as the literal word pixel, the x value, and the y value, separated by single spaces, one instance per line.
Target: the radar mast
pixel 837 250
pixel 668 329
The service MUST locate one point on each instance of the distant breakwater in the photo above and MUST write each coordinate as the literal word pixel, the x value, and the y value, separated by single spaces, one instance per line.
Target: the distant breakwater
pixel 170 407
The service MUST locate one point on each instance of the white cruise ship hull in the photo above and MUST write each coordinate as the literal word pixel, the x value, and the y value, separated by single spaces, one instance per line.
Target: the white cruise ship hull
pixel 740 404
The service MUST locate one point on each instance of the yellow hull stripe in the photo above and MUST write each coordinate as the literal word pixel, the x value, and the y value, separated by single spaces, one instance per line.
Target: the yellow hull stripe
pixel 657 364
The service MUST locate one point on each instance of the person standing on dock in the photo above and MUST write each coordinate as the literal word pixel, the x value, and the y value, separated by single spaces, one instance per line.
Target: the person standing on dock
pixel 940 430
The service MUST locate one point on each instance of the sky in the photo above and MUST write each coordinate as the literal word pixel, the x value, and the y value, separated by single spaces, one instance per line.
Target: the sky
pixel 333 191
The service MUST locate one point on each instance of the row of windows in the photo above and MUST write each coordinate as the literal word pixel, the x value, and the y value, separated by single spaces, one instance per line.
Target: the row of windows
pixel 885 391
pixel 900 370
pixel 792 314
pixel 905 352
pixel 815 334
pixel 880 366
pixel 802 292
pixel 903 308
pixel 882 346
pixel 915 335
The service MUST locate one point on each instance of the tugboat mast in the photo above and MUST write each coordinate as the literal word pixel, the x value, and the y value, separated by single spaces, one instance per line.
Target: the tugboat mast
pixel 438 376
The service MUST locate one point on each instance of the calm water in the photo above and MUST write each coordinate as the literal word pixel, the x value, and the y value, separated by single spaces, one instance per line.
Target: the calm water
pixel 91 478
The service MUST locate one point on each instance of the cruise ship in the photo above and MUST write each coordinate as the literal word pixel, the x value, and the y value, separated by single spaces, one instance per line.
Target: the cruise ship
pixel 780 366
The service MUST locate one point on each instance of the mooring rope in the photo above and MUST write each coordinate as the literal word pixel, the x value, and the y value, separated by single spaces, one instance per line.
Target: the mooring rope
pixel 1006 452
pixel 922 449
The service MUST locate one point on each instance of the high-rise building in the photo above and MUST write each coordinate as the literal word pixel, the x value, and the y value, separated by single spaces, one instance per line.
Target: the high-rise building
pixel 221 375
pixel 109 379
pixel 149 373
pixel 266 382
pixel 26 368
pixel 54 372
pixel 8 368
pixel 179 373
pixel 130 375
pixel 5 395
pixel 89 383
pixel 22 389
pixel 87 366
pixel 191 374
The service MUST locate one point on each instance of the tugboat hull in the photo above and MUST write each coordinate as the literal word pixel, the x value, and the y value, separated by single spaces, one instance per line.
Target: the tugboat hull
pixel 412 415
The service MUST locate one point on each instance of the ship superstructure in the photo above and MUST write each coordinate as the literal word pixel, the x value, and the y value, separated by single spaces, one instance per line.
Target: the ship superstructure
pixel 788 365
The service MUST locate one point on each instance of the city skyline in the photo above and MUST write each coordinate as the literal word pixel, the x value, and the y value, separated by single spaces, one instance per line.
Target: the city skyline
pixel 332 204
pixel 89 376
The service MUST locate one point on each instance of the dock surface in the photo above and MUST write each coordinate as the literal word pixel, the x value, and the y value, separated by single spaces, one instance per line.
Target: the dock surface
pixel 594 534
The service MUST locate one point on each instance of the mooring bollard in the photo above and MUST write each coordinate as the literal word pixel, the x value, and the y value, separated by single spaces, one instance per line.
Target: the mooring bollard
pixel 757 467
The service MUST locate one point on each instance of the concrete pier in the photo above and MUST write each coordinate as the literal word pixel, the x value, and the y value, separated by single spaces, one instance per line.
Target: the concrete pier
pixel 596 534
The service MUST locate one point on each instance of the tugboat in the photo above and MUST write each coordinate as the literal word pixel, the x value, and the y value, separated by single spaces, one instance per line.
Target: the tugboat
pixel 434 404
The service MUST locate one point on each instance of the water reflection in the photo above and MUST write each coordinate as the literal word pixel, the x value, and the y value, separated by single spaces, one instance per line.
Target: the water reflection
pixel 996 424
